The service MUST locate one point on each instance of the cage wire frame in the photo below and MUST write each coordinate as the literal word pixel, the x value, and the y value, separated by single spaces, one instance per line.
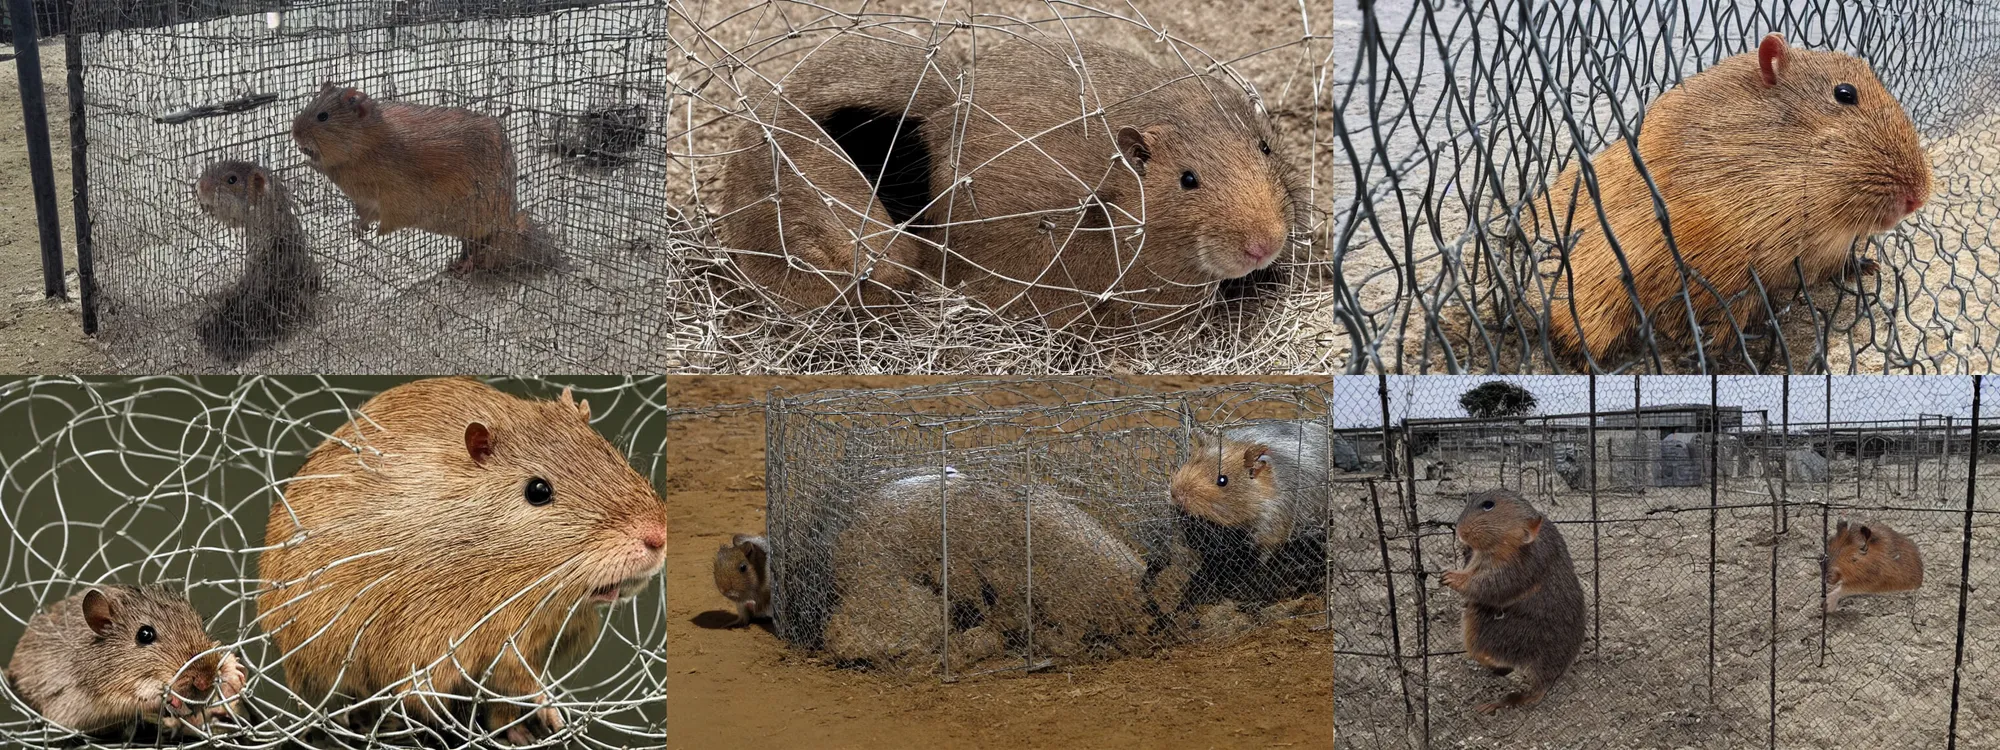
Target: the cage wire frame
pixel 1455 117
pixel 160 90
pixel 166 480
pixel 738 52
pixel 1032 542
pixel 1701 566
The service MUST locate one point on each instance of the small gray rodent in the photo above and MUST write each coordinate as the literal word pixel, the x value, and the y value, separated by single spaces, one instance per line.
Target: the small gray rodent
pixel 743 575
pixel 278 291
pixel 112 656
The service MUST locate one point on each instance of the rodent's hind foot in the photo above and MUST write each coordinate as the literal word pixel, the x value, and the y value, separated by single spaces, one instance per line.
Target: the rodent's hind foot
pixel 1516 699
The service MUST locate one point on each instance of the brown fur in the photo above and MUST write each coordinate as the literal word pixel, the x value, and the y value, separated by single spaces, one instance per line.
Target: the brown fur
pixel 96 679
pixel 279 286
pixel 1275 475
pixel 1868 557
pixel 444 170
pixel 411 474
pixel 1753 177
pixel 1523 603
pixel 743 576
pixel 1036 229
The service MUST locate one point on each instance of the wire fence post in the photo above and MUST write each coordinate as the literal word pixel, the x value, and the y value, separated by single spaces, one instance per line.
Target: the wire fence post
pixel 35 125
pixel 1965 561
pixel 79 172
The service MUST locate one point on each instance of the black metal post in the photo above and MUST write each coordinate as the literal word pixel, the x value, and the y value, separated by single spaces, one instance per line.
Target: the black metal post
pixel 79 174
pixel 35 123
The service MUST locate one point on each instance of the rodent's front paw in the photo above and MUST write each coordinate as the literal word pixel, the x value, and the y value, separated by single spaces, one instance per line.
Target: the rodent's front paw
pixel 1454 579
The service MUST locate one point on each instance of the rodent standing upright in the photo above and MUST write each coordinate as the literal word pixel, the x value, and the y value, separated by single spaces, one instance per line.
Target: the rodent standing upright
pixel 1063 182
pixel 1868 557
pixel 467 498
pixel 1764 159
pixel 1523 603
pixel 440 169
pixel 278 291
pixel 112 655
pixel 743 575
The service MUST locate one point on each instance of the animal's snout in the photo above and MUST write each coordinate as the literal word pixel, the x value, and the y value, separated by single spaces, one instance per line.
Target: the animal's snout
pixel 654 538
pixel 1913 199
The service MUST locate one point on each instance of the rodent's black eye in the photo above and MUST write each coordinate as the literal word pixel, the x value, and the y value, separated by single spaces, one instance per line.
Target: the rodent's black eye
pixel 1488 505
pixel 232 179
pixel 1264 146
pixel 538 492
pixel 1222 480
pixel 146 635
pixel 322 117
pixel 1189 181
pixel 743 567
pixel 1845 94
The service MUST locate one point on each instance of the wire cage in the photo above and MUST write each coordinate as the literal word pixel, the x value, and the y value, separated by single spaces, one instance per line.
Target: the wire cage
pixel 168 481
pixel 915 187
pixel 1698 512
pixel 987 526
pixel 526 221
pixel 1469 247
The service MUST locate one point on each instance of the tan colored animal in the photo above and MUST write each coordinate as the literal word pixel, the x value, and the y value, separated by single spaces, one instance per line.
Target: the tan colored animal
pixel 1064 182
pixel 110 656
pixel 444 170
pixel 1868 557
pixel 1764 160
pixel 278 290
pixel 1269 478
pixel 743 575
pixel 1523 603
pixel 452 534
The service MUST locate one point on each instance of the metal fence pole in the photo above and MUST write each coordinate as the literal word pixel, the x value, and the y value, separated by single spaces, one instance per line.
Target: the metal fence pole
pixel 1965 563
pixel 35 124
pixel 79 174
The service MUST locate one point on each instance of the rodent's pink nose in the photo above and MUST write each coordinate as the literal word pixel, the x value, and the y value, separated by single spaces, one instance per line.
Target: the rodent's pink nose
pixel 1912 201
pixel 655 539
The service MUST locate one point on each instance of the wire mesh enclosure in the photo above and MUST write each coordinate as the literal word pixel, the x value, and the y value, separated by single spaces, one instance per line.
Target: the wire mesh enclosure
pixel 1469 242
pixel 987 526
pixel 168 482
pixel 1699 513
pixel 376 186
pixel 1029 186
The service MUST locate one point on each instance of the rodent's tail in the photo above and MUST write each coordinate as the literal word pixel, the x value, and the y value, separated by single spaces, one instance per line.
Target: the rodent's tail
pixel 277 295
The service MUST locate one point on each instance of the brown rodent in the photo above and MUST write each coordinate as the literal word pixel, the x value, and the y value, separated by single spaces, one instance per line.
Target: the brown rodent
pixel 104 659
pixel 1523 603
pixel 1868 557
pixel 278 291
pixel 1085 584
pixel 1767 158
pixel 743 575
pixel 444 170
pixel 1269 478
pixel 1049 227
pixel 445 500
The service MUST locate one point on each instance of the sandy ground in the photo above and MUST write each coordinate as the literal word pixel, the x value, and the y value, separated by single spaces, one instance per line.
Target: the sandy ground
pixel 1272 689
pixel 37 334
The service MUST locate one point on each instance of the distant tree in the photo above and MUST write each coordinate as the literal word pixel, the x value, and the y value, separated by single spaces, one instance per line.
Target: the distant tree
pixel 1496 398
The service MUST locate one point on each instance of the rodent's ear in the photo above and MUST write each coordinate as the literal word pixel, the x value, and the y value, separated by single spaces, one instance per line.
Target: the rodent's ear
pixel 1840 528
pixel 1534 529
pixel 737 541
pixel 1138 145
pixel 581 407
pixel 478 443
pixel 98 611
pixel 256 180
pixel 1257 459
pixel 358 101
pixel 1867 535
pixel 1771 57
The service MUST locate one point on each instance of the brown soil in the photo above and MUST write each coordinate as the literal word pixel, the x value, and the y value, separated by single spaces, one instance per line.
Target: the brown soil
pixel 737 686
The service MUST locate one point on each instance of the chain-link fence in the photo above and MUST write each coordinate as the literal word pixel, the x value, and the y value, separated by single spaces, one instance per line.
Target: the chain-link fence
pixel 170 481
pixel 1468 243
pixel 374 186
pixel 986 526
pixel 1698 513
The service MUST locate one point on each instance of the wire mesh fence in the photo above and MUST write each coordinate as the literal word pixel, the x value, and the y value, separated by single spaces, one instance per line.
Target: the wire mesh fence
pixel 1701 515
pixel 987 526
pixel 375 186
pixel 1470 243
pixel 167 482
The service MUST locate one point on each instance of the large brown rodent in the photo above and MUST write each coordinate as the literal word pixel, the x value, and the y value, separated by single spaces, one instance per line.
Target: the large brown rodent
pixel 278 291
pixel 1085 584
pixel 440 169
pixel 743 575
pixel 1867 557
pixel 442 502
pixel 1065 182
pixel 1523 603
pixel 1269 478
pixel 109 657
pixel 1768 158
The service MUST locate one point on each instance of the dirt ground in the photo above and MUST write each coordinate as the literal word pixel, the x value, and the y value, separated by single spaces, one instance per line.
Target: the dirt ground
pixel 37 335
pixel 1272 689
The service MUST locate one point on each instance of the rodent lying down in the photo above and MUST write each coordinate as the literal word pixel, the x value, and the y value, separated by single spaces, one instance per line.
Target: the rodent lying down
pixel 1254 505
pixel 442 502
pixel 1868 557
pixel 1763 160
pixel 1024 195
pixel 111 655
pixel 444 170
pixel 1523 603
pixel 278 291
